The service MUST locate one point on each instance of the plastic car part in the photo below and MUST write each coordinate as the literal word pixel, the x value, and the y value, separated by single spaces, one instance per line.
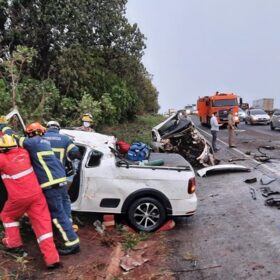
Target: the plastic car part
pixel 146 214
pixel 222 168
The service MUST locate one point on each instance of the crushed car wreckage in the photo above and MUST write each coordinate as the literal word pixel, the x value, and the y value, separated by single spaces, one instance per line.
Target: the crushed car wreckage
pixel 178 134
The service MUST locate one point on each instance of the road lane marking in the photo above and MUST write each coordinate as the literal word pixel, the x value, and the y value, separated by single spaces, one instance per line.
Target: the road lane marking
pixel 243 154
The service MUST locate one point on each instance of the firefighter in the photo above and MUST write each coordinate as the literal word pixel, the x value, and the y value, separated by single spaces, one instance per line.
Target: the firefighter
pixel 52 178
pixel 24 196
pixel 64 150
pixel 87 120
pixel 62 145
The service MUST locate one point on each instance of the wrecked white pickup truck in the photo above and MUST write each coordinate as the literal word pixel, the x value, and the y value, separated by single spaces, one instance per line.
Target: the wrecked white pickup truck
pixel 178 134
pixel 147 195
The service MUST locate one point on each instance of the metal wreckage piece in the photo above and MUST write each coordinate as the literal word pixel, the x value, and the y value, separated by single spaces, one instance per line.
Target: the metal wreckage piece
pixel 187 141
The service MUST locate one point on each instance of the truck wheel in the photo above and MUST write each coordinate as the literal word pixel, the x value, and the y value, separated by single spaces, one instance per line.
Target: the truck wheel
pixel 146 214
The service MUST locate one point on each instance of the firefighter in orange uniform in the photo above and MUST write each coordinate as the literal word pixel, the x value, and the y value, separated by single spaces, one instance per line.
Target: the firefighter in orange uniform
pixel 24 196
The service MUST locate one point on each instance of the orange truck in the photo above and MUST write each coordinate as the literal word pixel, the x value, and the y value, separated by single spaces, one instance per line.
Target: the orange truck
pixel 220 103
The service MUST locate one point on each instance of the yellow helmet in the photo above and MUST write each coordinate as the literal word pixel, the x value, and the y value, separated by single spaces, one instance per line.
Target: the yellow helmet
pixel 3 120
pixel 87 118
pixel 7 142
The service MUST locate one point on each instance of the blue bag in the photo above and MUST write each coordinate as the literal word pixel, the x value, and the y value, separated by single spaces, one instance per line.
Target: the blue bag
pixel 138 151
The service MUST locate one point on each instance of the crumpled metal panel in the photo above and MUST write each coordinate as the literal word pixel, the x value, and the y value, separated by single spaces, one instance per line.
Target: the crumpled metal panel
pixel 186 140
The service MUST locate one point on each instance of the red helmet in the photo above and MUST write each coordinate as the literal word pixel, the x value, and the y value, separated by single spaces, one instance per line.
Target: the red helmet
pixel 35 128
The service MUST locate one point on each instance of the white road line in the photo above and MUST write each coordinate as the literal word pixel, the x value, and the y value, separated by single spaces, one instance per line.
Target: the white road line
pixel 240 152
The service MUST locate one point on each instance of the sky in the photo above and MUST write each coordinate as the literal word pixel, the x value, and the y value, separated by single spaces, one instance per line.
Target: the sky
pixel 198 47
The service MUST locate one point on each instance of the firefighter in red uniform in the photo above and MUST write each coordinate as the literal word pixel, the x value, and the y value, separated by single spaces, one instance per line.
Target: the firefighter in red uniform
pixel 24 196
pixel 52 178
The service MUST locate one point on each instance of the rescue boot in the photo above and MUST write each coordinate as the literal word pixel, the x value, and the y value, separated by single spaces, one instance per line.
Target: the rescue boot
pixel 69 250
pixel 54 265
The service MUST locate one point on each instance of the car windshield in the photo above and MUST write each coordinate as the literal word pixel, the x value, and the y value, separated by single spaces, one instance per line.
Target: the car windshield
pixel 258 112
pixel 277 113
pixel 224 102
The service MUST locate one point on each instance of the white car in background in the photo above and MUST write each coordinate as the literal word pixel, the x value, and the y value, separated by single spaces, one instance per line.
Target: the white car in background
pixel 257 116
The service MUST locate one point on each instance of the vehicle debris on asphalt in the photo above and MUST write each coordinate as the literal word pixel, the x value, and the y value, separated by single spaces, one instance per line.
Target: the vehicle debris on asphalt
pixel 267 191
pixel 250 181
pixel 253 193
pixel 265 180
pixel 223 168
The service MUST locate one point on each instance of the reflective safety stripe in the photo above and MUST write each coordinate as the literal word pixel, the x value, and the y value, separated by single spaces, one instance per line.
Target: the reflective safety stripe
pixel 71 243
pixel 45 236
pixel 6 128
pixel 40 156
pixel 61 152
pixel 64 235
pixel 69 148
pixel 21 140
pixel 13 224
pixel 53 182
pixel 18 175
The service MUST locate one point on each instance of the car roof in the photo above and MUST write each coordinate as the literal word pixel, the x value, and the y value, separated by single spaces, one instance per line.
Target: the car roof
pixel 98 141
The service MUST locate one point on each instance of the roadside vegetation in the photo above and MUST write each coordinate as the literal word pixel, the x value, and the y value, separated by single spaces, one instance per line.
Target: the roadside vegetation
pixel 133 131
pixel 60 59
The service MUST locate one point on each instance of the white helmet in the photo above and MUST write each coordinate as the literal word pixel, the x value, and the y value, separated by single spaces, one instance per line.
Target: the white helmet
pixel 53 124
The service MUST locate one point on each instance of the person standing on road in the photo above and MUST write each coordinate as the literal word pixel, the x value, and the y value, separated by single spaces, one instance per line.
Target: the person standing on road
pixel 24 196
pixel 214 130
pixel 231 129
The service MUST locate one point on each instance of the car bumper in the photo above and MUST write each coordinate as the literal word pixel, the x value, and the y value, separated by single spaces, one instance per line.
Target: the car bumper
pixel 184 207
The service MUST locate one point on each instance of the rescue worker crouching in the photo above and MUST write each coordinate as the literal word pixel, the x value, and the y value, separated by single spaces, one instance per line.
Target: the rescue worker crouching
pixel 24 196
pixel 52 178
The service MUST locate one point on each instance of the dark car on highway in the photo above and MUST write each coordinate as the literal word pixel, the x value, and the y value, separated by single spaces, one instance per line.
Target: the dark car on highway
pixel 257 116
pixel 275 120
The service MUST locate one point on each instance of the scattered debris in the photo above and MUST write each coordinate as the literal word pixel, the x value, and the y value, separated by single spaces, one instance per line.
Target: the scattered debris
pixel 132 260
pixel 267 191
pixel 267 147
pixel 265 180
pixel 222 168
pixel 273 201
pixel 253 193
pixel 250 181
pixel 99 227
pixel 262 158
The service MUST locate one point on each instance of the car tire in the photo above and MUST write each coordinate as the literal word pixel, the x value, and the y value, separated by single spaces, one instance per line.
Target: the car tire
pixel 146 214
pixel 271 126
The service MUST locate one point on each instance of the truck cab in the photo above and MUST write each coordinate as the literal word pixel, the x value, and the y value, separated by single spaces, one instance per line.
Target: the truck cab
pixel 220 103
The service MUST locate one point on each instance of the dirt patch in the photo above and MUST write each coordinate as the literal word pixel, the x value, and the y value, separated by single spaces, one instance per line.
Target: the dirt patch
pixel 95 258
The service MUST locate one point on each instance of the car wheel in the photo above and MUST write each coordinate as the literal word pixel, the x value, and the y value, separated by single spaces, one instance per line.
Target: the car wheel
pixel 146 214
pixel 271 126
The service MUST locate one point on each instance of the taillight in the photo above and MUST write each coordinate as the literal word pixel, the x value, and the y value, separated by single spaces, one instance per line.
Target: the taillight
pixel 191 186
